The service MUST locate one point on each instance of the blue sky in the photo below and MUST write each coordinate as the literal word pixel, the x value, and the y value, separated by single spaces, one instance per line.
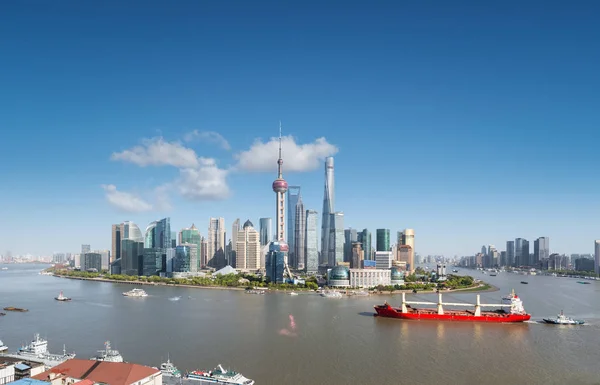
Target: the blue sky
pixel 471 122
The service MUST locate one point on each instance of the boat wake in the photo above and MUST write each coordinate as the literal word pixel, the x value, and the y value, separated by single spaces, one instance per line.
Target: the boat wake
pixel 99 304
pixel 174 298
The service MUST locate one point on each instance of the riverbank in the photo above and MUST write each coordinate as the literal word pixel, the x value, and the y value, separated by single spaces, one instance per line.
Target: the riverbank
pixel 481 288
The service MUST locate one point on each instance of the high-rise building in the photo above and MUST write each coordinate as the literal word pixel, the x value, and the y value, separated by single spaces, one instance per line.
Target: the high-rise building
pixel 247 256
pixel 328 209
pixel 203 253
pixel 173 240
pixel 216 243
pixel 541 250
pixel 510 253
pixel 117 231
pixel 181 262
pixel 364 237
pixel 357 255
pixel 266 231
pixel 105 257
pixel 408 238
pixel 132 249
pixel 483 250
pixel 520 259
pixel 276 257
pixel 85 249
pixel 192 235
pixel 383 239
pixel 193 257
pixel 597 257
pixel 406 254
pixel 152 261
pixel 350 236
pixel 235 228
pixel 158 234
pixel 91 261
pixel 336 239
pixel 293 195
pixel 383 259
pixel 311 248
pixel 299 235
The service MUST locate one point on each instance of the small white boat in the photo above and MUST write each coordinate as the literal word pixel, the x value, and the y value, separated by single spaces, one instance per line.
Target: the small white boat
pixel 135 293
pixel 4 268
pixel 293 293
pixel 3 347
pixel 174 298
pixel 331 294
pixel 62 298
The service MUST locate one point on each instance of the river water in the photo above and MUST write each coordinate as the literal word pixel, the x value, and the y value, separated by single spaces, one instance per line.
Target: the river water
pixel 335 341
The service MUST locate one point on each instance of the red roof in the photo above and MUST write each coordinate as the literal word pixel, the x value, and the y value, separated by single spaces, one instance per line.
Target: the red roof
pixel 111 373
pixel 84 382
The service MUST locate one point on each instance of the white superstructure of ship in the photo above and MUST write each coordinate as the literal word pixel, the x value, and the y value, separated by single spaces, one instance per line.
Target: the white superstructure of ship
pixel 108 354
pixel 3 348
pixel 219 376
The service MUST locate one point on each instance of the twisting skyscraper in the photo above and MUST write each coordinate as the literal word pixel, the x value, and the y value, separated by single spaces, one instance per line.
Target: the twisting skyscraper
pixel 328 205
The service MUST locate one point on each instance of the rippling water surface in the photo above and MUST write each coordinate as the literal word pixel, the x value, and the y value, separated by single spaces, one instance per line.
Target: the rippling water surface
pixel 335 341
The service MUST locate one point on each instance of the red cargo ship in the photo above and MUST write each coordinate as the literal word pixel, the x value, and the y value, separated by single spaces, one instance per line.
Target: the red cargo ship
pixel 515 313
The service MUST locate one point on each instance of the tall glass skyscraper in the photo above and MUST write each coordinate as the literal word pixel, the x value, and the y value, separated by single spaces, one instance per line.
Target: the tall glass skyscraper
pixel 510 253
pixel 132 249
pixel 293 195
pixel 275 262
pixel 181 263
pixel 158 234
pixel 364 237
pixel 266 231
pixel 299 235
pixel 192 235
pixel 311 248
pixel 541 250
pixel 383 239
pixel 328 209
pixel 350 236
pixel 336 239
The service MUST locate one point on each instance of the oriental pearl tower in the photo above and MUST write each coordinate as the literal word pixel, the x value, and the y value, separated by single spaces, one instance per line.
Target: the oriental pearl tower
pixel 280 186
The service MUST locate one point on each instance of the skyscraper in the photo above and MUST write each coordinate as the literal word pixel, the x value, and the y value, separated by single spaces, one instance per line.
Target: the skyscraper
pixel 299 235
pixel 132 249
pixel 158 234
pixel 383 239
pixel 510 253
pixel 276 257
pixel 293 194
pixel 312 248
pixel 216 243
pixel 364 237
pixel 266 231
pixel 235 229
pixel 350 236
pixel 85 249
pixel 328 208
pixel 541 250
pixel 408 238
pixel 115 254
pixel 336 239
pixel 247 256
pixel 597 256
pixel 191 235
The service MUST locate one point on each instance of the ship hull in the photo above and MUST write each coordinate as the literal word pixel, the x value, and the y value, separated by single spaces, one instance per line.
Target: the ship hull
pixel 449 315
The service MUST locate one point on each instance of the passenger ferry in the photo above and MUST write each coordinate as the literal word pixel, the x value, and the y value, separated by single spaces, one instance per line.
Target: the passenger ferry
pixel 135 293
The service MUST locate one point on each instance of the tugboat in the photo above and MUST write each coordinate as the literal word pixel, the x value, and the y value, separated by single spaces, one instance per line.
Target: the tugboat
pixel 108 354
pixel 516 312
pixel 561 319
pixel 62 298
pixel 220 376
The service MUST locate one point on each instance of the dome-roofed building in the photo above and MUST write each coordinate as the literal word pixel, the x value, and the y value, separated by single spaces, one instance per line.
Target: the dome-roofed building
pixel 397 276
pixel 248 224
pixel 339 276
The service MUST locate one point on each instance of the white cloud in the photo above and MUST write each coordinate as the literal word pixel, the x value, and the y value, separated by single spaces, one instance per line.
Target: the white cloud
pixel 208 136
pixel 157 152
pixel 296 157
pixel 125 201
pixel 205 182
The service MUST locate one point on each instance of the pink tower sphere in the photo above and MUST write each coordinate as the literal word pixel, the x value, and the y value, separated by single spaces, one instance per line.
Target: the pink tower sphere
pixel 280 185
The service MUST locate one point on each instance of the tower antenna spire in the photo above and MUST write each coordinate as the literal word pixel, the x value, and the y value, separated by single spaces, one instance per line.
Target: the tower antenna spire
pixel 279 161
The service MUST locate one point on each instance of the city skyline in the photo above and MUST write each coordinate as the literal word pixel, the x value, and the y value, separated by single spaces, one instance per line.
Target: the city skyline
pixel 442 125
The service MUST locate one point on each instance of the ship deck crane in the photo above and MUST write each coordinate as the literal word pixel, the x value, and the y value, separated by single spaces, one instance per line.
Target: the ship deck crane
pixel 478 305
